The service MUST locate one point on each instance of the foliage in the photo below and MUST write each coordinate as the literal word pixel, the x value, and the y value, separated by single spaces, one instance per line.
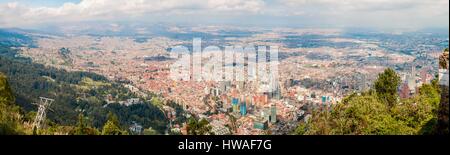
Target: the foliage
pixel 368 113
pixel 111 127
pixel 145 114
pixel 157 101
pixel 73 91
pixel 82 128
pixel 180 113
pixel 444 59
pixel 386 87
pixel 196 127
pixel 442 126
pixel 10 116
pixel 442 122
pixel 150 131
pixel 301 129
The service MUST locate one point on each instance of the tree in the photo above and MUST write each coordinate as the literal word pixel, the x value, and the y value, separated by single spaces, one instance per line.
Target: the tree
pixel 34 131
pixel 113 118
pixel 444 59
pixel 356 115
pixel 442 118
pixel 150 131
pixel 10 117
pixel 30 80
pixel 301 129
pixel 157 101
pixel 201 127
pixel 371 113
pixel 5 91
pixel 111 127
pixel 386 87
pixel 82 128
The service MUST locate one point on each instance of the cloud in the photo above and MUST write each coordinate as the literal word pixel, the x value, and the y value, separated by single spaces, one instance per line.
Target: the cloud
pixel 236 5
pixel 376 13
pixel 370 6
pixel 16 14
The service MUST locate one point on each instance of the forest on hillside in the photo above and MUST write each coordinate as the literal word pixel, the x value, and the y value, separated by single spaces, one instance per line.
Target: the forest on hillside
pixel 75 93
pixel 380 111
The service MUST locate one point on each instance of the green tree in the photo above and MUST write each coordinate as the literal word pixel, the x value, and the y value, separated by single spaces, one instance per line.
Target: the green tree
pixel 201 127
pixel 113 118
pixel 35 131
pixel 301 129
pixel 444 59
pixel 82 128
pixel 30 80
pixel 442 126
pixel 356 115
pixel 386 86
pixel 150 131
pixel 5 91
pixel 366 114
pixel 10 117
pixel 111 127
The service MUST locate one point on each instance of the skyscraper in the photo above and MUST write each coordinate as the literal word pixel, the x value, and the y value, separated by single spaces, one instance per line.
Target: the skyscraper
pixel 235 105
pixel 273 113
pixel 243 108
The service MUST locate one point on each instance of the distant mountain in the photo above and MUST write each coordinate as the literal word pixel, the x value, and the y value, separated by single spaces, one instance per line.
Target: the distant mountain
pixel 15 37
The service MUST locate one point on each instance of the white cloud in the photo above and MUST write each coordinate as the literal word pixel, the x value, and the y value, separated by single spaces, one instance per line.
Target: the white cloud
pixel 432 7
pixel 15 14
pixel 378 13
pixel 236 5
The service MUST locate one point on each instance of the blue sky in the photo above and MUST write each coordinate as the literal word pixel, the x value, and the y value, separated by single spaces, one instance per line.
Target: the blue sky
pixel 310 13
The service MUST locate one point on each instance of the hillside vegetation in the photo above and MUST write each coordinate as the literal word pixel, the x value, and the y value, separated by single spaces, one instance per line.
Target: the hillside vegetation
pixel 381 112
pixel 76 94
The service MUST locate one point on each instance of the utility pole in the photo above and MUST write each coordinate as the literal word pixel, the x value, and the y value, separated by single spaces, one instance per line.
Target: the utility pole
pixel 41 114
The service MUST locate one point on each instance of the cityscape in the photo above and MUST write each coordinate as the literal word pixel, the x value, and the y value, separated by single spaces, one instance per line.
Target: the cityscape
pixel 120 72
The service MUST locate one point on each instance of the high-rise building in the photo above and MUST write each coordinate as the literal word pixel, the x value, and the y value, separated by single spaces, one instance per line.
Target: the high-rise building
pixel 423 75
pixel 411 81
pixel 404 91
pixel 243 108
pixel 265 99
pixel 207 90
pixel 363 83
pixel 234 93
pixel 216 91
pixel 234 101
pixel 240 85
pixel 266 114
pixel 224 86
pixel 273 113
pixel 235 104
pixel 225 101
pixel 260 124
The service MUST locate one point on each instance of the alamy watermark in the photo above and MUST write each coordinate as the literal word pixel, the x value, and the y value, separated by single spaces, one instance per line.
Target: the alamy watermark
pixel 230 63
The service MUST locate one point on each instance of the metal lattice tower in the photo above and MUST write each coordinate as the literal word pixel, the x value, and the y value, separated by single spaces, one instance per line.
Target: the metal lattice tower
pixel 41 114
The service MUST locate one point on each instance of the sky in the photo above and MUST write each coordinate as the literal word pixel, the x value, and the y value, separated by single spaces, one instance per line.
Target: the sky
pixel 411 14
